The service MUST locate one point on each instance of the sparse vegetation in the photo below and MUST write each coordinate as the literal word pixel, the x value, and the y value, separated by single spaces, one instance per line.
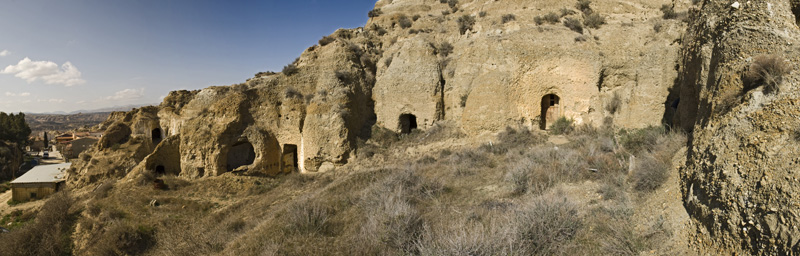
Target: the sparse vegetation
pixel 574 25
pixel 444 49
pixel 566 12
pixel 482 14
pixel 584 6
pixel 613 105
pixel 374 13
pixel 326 40
pixel 669 11
pixel 404 22
pixel 594 20
pixel 508 17
pixel 48 234
pixel 767 70
pixel 465 23
pixel 552 18
pixel 290 69
pixel 562 125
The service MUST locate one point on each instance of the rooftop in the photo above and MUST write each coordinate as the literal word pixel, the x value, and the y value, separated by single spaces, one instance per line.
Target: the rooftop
pixel 43 174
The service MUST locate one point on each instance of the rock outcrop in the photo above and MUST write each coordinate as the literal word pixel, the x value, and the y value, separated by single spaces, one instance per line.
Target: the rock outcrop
pixel 481 65
pixel 741 177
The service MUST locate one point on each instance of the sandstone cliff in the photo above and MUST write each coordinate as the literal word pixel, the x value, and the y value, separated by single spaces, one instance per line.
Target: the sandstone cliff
pixel 482 65
pixel 740 181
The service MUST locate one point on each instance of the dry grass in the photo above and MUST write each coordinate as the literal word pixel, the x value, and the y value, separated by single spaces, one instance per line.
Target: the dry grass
pixel 503 198
pixel 767 70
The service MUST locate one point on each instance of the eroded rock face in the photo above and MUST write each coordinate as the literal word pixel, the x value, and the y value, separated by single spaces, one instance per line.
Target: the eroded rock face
pixel 483 78
pixel 741 177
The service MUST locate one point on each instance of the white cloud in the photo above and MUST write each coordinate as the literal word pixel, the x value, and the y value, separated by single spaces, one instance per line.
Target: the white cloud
pixel 47 71
pixel 127 94
pixel 51 100
pixel 4 53
pixel 23 94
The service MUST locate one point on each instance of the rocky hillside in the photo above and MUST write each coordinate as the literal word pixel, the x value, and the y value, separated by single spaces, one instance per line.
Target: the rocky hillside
pixel 739 94
pixel 481 65
pixel 47 122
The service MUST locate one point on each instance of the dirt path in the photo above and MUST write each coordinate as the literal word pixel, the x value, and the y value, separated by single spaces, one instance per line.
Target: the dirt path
pixel 4 202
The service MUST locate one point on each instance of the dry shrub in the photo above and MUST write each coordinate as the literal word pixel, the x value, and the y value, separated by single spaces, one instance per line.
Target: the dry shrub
pixel 638 140
pixel 543 168
pixel 512 138
pixel 551 18
pixel 308 217
pixel 50 232
pixel 466 238
pixel 613 105
pixel 102 190
pixel 584 6
pixel 374 13
pixel 562 125
pixel 669 11
pixel 122 238
pixel 444 49
pixel 594 20
pixel 507 18
pixel 574 25
pixel 465 23
pixel 404 22
pixel 290 69
pixel 650 173
pixel 767 70
pixel 546 225
pixel 393 222
pixel 326 40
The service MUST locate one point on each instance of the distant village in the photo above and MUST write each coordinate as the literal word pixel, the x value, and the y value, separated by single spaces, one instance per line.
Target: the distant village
pixel 47 158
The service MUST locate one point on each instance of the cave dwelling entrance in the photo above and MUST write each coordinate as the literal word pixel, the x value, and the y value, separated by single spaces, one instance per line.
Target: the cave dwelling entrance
pixel 408 122
pixel 550 110
pixel 157 135
pixel 289 158
pixel 240 154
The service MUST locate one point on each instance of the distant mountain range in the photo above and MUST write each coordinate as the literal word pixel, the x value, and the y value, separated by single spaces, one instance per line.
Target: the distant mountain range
pixel 99 110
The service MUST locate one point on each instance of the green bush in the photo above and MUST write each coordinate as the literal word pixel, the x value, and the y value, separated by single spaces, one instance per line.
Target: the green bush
pixel 574 25
pixel 641 139
pixel 594 20
pixel 669 11
pixel 563 125
pixel 290 69
pixel 404 22
pixel 584 6
pixel 508 17
pixel 552 18
pixel 326 40
pixel 375 13
pixel 444 49
pixel 465 23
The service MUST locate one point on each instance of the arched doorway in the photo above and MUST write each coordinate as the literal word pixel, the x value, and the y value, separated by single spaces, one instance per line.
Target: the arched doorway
pixel 156 135
pixel 240 154
pixel 550 110
pixel 408 122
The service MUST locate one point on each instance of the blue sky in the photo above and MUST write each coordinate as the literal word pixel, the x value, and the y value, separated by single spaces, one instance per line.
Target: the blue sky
pixel 86 54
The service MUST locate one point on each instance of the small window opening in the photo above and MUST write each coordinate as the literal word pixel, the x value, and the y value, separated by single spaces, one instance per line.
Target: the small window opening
pixel 160 170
